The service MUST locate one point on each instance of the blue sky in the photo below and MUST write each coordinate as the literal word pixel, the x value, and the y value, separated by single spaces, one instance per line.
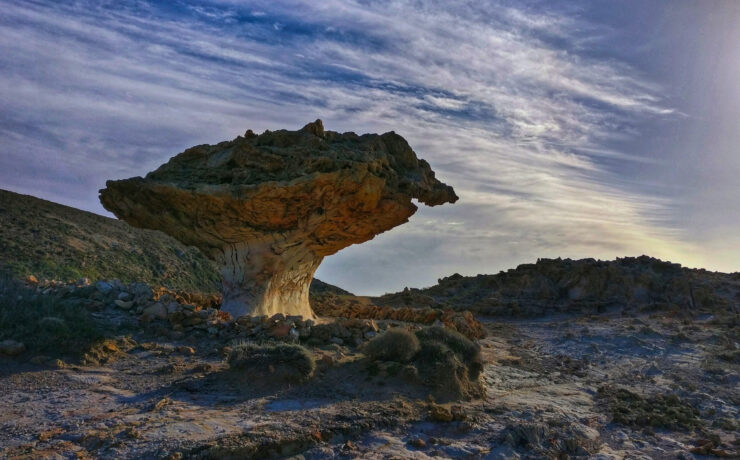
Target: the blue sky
pixel 574 129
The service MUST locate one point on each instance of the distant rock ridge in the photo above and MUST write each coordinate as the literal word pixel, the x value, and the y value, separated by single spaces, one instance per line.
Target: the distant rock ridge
pixel 268 208
pixel 586 285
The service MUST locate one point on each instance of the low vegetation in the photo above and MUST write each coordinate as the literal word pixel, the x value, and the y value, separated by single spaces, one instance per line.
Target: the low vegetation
pixel 441 358
pixel 397 345
pixel 656 411
pixel 53 241
pixel 45 324
pixel 279 362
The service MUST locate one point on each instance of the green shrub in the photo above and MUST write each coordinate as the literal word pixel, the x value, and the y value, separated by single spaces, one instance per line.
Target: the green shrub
pixel 283 362
pixel 397 345
pixel 449 363
pixel 440 368
pixel 440 358
pixel 45 324
pixel 465 349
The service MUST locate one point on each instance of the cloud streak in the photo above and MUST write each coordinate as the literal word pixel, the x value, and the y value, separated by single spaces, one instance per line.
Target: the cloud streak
pixel 502 102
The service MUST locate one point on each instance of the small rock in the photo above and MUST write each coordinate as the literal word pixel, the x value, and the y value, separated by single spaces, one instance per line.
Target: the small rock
pixel 295 319
pixel 203 368
pixel 185 350
pixel 244 320
pixel 30 279
pixel 418 443
pixel 103 287
pixel 294 333
pixel 370 334
pixel 124 304
pixel 212 330
pixel 156 311
pixel 11 347
pixel 336 340
pixel 161 403
pixel 281 330
pixel 440 413
pixel 124 296
pixel 277 317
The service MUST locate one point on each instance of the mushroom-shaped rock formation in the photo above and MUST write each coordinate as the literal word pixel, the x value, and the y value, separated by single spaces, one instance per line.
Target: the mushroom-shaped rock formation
pixel 268 208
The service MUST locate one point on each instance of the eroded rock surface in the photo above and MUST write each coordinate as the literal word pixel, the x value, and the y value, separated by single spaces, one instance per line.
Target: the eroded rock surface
pixel 268 208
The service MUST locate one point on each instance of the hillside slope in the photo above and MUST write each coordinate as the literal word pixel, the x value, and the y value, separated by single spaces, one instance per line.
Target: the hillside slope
pixel 49 240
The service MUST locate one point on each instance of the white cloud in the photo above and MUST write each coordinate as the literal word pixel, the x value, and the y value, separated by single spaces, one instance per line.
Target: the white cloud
pixel 115 93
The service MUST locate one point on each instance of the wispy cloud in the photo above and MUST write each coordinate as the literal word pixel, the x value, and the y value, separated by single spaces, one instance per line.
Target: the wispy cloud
pixel 499 100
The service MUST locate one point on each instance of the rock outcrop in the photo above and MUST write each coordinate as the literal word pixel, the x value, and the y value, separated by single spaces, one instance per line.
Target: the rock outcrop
pixel 268 208
pixel 585 286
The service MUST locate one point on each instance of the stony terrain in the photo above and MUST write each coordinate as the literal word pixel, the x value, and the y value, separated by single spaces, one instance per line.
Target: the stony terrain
pixel 571 368
pixel 579 286
pixel 614 385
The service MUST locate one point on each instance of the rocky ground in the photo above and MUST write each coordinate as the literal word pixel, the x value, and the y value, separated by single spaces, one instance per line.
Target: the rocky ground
pixel 613 385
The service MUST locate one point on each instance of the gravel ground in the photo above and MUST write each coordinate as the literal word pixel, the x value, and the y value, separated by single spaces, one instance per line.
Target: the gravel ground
pixel 553 389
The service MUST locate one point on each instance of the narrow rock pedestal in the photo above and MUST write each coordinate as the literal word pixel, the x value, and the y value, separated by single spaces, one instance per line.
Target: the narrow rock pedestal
pixel 258 281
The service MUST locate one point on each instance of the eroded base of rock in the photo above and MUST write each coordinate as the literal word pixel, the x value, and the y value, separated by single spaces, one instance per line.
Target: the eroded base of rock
pixel 267 278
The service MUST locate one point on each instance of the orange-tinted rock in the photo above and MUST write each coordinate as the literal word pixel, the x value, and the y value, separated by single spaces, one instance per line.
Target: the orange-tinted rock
pixel 269 208
pixel 464 322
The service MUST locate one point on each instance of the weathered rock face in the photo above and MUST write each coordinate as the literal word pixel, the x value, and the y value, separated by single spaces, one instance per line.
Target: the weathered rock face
pixel 269 208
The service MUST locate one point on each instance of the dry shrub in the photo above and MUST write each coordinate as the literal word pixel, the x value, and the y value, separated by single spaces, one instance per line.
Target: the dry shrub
pixel 397 345
pixel 282 362
pixel 442 359
pixel 449 363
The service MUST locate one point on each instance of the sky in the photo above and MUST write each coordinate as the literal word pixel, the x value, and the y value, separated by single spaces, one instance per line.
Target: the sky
pixel 568 128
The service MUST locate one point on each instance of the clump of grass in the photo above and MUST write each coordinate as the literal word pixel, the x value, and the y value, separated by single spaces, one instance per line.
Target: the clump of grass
pixel 45 324
pixel 449 362
pixel 438 357
pixel 397 345
pixel 656 411
pixel 465 349
pixel 282 362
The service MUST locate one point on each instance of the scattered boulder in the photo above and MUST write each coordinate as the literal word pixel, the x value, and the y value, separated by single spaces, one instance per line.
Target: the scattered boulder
pixel 156 311
pixel 124 304
pixel 103 287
